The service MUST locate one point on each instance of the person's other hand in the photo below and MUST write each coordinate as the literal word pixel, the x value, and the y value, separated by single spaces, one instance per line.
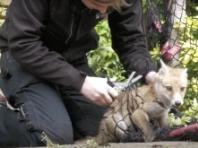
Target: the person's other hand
pixel 151 76
pixel 98 91
pixel 169 50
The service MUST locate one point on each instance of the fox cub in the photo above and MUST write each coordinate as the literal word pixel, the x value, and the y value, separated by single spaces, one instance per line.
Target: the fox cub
pixel 137 107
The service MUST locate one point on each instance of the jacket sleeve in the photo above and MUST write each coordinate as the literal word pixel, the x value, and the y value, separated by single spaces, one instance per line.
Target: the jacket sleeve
pixel 26 20
pixel 128 38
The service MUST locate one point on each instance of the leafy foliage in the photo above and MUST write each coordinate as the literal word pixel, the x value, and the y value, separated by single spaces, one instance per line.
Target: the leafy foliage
pixel 3 6
pixel 104 61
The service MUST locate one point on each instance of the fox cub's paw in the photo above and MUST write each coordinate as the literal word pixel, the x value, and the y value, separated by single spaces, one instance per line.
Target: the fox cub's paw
pixel 149 137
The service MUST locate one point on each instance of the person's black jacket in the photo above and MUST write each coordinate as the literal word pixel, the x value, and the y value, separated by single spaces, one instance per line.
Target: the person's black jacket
pixel 50 37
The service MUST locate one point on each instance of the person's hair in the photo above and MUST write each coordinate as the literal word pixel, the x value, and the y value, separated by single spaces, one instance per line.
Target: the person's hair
pixel 116 4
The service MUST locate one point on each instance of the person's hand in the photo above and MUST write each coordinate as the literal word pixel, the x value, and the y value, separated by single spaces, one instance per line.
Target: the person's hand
pixel 169 50
pixel 151 77
pixel 98 91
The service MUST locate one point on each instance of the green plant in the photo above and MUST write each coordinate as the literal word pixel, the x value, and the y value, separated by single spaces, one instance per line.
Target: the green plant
pixel 104 61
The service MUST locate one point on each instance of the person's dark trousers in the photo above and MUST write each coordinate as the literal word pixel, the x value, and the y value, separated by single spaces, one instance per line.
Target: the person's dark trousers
pixel 42 109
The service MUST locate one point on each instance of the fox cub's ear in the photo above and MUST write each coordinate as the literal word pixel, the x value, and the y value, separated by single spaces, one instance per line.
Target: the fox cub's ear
pixel 185 73
pixel 164 68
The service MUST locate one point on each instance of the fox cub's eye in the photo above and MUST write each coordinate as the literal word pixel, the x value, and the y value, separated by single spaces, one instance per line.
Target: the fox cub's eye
pixel 169 88
pixel 182 88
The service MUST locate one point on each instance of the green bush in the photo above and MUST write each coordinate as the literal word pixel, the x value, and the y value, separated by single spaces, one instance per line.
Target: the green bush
pixel 104 61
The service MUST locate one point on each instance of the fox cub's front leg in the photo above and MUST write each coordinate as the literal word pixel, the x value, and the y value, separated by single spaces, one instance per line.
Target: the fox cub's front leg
pixel 155 111
pixel 163 121
pixel 141 120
